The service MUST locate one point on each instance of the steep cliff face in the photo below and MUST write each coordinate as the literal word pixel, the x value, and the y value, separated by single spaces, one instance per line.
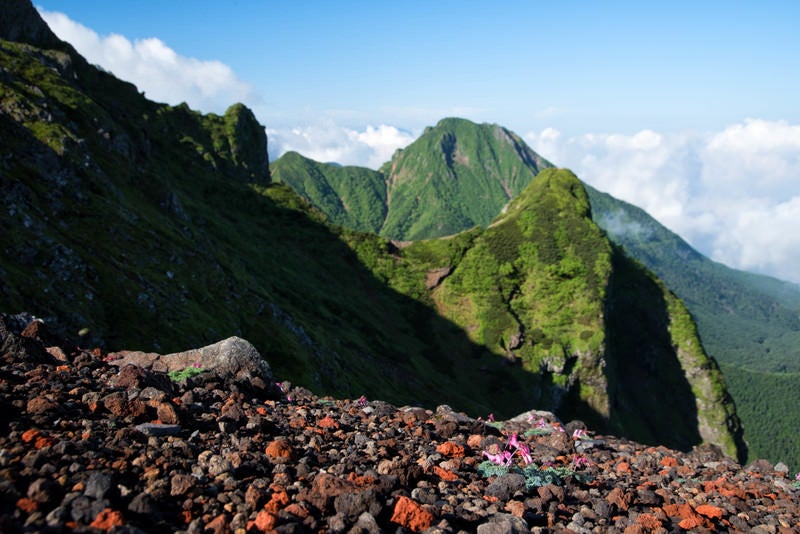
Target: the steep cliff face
pixel 544 287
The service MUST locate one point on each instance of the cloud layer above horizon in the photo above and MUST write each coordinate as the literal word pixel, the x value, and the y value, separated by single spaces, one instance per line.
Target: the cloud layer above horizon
pixel 156 69
pixel 733 194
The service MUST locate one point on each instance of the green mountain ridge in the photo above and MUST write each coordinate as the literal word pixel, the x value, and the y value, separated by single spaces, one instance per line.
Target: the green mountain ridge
pixel 158 228
pixel 748 322
pixel 485 165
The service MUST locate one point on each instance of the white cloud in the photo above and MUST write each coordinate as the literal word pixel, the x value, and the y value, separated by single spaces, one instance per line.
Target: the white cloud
pixel 733 194
pixel 328 142
pixel 156 69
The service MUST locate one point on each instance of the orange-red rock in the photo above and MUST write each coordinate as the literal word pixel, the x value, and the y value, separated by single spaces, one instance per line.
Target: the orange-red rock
pixel 280 450
pixel 30 435
pixel 410 514
pixel 218 525
pixel 648 521
pixel 444 474
pixel 264 522
pixel 623 467
pixel 296 510
pixel 689 518
pixel 27 505
pixel 618 497
pixel 712 512
pixel 515 507
pixel 108 519
pixel 450 449
pixel 669 461
pixel 276 503
pixel 327 422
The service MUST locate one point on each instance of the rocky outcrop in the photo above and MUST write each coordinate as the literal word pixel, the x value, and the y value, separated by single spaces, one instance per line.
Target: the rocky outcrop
pixel 232 359
pixel 248 143
pixel 20 22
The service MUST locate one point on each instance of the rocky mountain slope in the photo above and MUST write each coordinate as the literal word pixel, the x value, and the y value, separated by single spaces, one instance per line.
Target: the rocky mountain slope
pixel 136 442
pixel 140 225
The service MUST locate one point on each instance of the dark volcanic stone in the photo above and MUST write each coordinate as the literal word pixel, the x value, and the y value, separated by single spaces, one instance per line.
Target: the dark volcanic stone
pixel 505 486
pixel 99 486
pixel 352 505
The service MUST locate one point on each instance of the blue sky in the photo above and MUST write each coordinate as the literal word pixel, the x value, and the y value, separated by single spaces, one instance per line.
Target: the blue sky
pixel 576 66
pixel 687 109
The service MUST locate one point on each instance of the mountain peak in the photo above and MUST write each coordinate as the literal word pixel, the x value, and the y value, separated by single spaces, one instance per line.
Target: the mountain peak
pixel 22 23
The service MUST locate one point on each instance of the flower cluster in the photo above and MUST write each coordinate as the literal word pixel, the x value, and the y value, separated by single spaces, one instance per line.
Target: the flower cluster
pixel 362 401
pixel 514 448
pixel 579 461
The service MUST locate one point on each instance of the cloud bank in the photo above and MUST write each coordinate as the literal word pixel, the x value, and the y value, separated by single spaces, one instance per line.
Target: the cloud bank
pixel 330 143
pixel 156 69
pixel 734 194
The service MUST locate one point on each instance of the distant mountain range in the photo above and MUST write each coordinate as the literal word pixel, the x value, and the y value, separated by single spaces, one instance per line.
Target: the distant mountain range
pixel 156 227
pixel 749 323
pixel 453 177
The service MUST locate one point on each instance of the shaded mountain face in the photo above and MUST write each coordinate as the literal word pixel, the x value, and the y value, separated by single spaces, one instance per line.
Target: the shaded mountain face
pixel 156 227
pixel 456 175
pixel 751 323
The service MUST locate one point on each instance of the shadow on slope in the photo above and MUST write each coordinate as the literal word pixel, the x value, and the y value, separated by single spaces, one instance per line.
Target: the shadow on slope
pixel 649 393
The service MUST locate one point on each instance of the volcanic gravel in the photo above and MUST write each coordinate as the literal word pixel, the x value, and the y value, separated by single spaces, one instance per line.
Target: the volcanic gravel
pixel 89 445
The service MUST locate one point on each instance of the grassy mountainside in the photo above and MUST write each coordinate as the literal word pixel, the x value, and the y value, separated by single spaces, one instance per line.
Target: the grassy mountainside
pixel 350 196
pixel 456 175
pixel 157 227
pixel 543 288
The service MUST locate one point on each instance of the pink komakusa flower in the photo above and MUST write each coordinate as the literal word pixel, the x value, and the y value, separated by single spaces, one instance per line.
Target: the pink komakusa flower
pixel 501 458
pixel 580 461
pixel 525 452
pixel 579 433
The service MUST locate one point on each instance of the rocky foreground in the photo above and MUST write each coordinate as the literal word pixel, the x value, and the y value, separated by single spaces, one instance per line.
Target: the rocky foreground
pixel 207 441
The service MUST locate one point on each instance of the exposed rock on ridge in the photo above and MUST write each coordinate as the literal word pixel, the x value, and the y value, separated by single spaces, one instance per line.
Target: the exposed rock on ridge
pixel 19 21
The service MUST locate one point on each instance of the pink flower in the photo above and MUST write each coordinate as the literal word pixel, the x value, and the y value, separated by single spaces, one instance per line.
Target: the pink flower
pixel 501 458
pixel 579 434
pixel 491 417
pixel 580 461
pixel 513 441
pixel 797 476
pixel 362 401
pixel 525 452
